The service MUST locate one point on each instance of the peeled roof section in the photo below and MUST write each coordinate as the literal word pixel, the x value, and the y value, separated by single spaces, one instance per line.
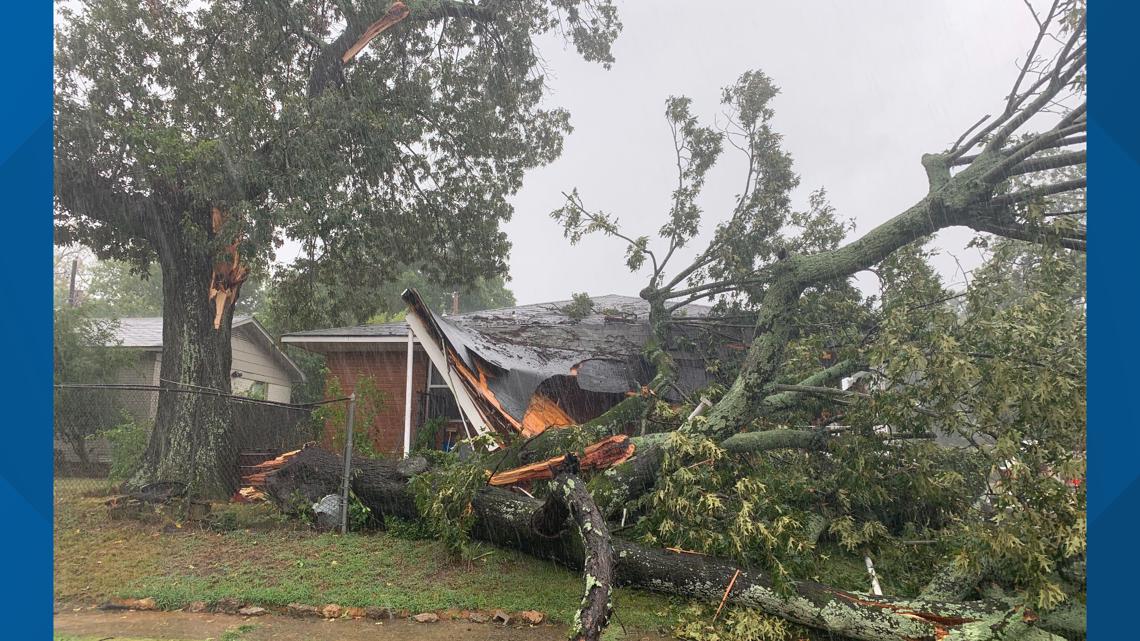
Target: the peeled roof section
pixel 584 365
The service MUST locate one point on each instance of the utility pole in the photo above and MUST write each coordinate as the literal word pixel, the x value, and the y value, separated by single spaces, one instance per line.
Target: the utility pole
pixel 71 294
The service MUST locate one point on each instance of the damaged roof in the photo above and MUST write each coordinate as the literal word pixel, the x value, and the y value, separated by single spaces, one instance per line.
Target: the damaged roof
pixel 542 348
pixel 612 305
pixel 532 366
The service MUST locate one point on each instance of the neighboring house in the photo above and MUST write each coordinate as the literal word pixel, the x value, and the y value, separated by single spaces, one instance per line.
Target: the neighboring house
pixel 512 370
pixel 259 368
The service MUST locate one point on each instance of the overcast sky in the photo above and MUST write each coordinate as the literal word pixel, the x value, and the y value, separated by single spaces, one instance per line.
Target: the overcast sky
pixel 866 88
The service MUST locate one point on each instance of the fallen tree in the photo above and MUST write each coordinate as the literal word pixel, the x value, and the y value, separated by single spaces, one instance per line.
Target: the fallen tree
pixel 541 528
pixel 569 501
pixel 752 483
pixel 940 363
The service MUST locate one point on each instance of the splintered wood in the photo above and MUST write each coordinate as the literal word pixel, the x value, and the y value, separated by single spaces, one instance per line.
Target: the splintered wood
pixel 261 470
pixel 225 283
pixel 397 12
pixel 599 456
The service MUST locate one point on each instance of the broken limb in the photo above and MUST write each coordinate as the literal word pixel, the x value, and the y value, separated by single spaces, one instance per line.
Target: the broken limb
pixel 788 399
pixel 507 519
pixel 617 486
pixel 397 12
pixel 569 499
pixel 228 276
pixel 550 442
pixel 601 455
pixel 365 25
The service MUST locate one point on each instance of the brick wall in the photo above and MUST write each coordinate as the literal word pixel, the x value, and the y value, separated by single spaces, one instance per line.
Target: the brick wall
pixel 388 369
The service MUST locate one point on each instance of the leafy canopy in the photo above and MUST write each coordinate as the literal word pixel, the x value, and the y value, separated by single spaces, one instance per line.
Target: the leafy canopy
pixel 165 110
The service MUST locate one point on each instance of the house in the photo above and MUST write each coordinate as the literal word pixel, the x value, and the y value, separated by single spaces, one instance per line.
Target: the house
pixel 513 370
pixel 259 367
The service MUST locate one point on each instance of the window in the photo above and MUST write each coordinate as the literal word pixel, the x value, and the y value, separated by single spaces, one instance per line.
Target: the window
pixel 436 380
pixel 438 400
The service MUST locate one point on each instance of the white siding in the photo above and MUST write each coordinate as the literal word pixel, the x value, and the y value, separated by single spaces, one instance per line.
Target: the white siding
pixel 141 373
pixel 257 365
pixel 250 358
pixel 280 393
pixel 141 404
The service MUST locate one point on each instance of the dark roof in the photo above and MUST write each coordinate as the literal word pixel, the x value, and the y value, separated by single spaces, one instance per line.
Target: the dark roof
pixel 522 319
pixel 535 345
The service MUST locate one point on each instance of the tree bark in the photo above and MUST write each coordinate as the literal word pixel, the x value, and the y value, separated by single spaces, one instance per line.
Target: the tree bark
pixel 313 473
pixel 508 519
pixel 569 500
pixel 191 440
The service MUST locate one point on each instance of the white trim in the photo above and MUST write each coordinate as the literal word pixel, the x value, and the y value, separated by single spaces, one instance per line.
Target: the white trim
pixel 408 398
pixel 462 397
pixel 344 339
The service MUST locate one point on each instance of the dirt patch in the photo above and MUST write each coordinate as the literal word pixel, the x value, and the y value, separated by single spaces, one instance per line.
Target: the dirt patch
pixel 199 627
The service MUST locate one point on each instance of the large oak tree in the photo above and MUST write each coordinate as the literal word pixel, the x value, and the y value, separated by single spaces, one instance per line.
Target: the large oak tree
pixel 200 136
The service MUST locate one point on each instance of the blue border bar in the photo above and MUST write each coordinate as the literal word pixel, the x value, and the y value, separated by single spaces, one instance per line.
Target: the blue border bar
pixel 25 377
pixel 1114 431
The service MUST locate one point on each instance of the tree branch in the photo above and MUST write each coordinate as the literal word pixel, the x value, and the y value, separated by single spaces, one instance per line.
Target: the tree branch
pixel 787 398
pixel 1043 163
pixel 1034 193
pixel 1021 152
pixel 363 26
pixel 1034 234
pixel 569 499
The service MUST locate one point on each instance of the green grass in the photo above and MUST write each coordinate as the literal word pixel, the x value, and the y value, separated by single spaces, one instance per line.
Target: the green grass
pixel 270 562
pixel 235 634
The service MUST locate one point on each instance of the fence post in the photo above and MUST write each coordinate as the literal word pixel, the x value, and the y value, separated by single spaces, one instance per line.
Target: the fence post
pixel 347 464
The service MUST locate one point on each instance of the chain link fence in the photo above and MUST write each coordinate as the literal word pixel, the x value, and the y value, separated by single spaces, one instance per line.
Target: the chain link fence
pixel 101 431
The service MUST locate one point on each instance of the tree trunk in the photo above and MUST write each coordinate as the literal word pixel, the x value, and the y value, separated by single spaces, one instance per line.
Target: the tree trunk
pixel 192 437
pixel 509 520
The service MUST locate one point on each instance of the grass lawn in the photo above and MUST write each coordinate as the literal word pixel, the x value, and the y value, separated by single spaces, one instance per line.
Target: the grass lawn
pixel 269 562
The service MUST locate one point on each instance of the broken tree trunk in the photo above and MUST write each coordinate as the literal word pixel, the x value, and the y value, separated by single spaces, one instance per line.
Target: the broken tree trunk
pixel 507 519
pixel 312 473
